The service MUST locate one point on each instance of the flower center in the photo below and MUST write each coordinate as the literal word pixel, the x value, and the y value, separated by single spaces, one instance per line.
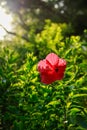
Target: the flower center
pixel 56 69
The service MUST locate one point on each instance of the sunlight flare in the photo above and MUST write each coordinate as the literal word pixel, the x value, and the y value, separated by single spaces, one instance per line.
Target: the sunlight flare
pixel 5 21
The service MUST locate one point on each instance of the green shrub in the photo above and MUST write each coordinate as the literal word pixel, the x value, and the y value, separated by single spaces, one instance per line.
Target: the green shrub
pixel 26 103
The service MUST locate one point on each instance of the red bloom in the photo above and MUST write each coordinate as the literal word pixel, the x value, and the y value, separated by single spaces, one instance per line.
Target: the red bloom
pixel 51 68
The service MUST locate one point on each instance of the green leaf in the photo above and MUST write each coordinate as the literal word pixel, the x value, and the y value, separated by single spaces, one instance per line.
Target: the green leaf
pixel 84 89
pixel 18 126
pixel 82 121
pixel 79 95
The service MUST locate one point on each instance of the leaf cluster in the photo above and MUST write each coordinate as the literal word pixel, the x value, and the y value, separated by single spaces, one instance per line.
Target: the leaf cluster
pixel 26 103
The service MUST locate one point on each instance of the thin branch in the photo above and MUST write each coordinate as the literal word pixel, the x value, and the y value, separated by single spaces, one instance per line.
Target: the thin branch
pixel 15 34
pixel 22 23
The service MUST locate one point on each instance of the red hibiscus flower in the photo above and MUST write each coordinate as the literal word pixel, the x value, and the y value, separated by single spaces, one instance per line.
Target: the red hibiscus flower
pixel 51 68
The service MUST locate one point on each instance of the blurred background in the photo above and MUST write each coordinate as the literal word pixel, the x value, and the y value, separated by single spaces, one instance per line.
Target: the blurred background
pixel 27 13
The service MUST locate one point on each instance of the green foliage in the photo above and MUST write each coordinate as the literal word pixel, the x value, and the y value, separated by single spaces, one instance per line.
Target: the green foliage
pixel 51 38
pixel 26 103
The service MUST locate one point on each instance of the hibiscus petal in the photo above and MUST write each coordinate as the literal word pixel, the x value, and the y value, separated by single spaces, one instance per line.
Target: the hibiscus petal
pixel 62 62
pixel 59 75
pixel 48 78
pixel 43 66
pixel 52 59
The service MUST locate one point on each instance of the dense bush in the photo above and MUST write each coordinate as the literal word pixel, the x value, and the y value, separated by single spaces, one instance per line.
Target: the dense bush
pixel 26 103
